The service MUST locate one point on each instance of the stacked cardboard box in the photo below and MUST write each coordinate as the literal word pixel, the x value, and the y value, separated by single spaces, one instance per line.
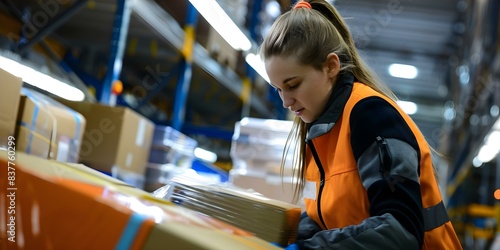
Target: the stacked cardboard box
pixel 40 125
pixel 70 206
pixel 117 140
pixel 220 50
pixel 9 103
pixel 269 219
pixel 48 129
pixel 34 132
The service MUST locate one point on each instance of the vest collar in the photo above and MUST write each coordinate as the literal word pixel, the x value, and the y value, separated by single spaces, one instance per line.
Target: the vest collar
pixel 334 107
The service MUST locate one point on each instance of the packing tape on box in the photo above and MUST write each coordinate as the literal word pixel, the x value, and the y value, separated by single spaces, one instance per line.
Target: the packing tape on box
pixel 34 134
pixel 37 100
pixel 76 136
pixel 32 127
pixel 41 100
pixel 131 230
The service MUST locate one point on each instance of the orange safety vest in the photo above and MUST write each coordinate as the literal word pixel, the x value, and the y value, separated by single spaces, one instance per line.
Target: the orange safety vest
pixel 343 200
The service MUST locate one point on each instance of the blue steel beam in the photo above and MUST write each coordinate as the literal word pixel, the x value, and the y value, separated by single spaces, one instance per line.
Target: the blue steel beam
pixel 254 19
pixel 208 131
pixel 117 48
pixel 43 16
pixel 163 23
pixel 185 69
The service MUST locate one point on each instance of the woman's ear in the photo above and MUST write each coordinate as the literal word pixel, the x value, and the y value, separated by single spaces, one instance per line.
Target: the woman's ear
pixel 332 65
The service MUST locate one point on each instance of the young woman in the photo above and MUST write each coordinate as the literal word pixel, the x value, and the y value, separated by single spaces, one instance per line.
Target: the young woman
pixel 365 170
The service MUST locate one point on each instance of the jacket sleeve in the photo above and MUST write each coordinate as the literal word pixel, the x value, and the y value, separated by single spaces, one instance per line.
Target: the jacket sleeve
pixel 387 156
pixel 307 227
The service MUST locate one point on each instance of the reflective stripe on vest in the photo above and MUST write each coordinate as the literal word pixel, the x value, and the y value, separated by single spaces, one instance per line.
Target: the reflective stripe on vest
pixel 435 216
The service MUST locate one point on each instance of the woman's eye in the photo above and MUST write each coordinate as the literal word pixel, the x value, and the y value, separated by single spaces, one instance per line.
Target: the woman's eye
pixel 294 86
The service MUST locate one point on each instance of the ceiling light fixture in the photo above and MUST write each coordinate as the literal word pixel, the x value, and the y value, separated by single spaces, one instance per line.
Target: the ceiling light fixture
pixel 408 107
pixel 490 148
pixel 258 65
pixel 41 81
pixel 403 71
pixel 487 153
pixel 273 9
pixel 476 162
pixel 222 23
pixel 205 155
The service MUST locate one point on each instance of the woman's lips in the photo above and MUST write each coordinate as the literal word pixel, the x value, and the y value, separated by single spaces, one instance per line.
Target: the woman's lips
pixel 298 112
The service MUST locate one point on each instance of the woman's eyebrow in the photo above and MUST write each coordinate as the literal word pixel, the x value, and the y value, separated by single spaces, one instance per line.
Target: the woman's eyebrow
pixel 286 81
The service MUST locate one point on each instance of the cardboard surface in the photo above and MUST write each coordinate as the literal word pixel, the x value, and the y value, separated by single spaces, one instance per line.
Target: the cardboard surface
pixel 34 143
pixel 53 212
pixel 34 130
pixel 115 138
pixel 9 103
pixel 48 129
pixel 70 206
pixel 69 132
pixel 179 236
pixel 269 219
pixel 220 50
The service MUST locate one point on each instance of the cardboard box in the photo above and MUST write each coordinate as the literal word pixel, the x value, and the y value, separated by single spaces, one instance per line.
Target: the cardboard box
pixel 9 103
pixel 48 129
pixel 69 132
pixel 180 236
pixel 220 50
pixel 117 140
pixel 34 132
pixel 269 219
pixel 70 206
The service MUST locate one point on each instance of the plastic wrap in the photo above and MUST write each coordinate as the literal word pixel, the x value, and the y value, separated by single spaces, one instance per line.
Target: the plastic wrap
pixel 172 147
pixel 159 175
pixel 256 151
pixel 269 219
pixel 61 131
pixel 171 154
pixel 257 146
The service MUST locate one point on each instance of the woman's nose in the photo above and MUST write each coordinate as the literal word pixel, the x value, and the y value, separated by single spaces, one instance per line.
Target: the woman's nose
pixel 287 99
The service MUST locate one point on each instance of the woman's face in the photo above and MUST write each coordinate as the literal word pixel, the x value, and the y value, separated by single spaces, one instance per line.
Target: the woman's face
pixel 303 89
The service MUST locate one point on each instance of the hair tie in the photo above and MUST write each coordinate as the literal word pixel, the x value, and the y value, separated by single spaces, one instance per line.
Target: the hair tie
pixel 302 4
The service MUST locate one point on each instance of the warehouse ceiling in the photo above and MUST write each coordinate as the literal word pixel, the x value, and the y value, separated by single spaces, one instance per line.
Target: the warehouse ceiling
pixel 427 34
